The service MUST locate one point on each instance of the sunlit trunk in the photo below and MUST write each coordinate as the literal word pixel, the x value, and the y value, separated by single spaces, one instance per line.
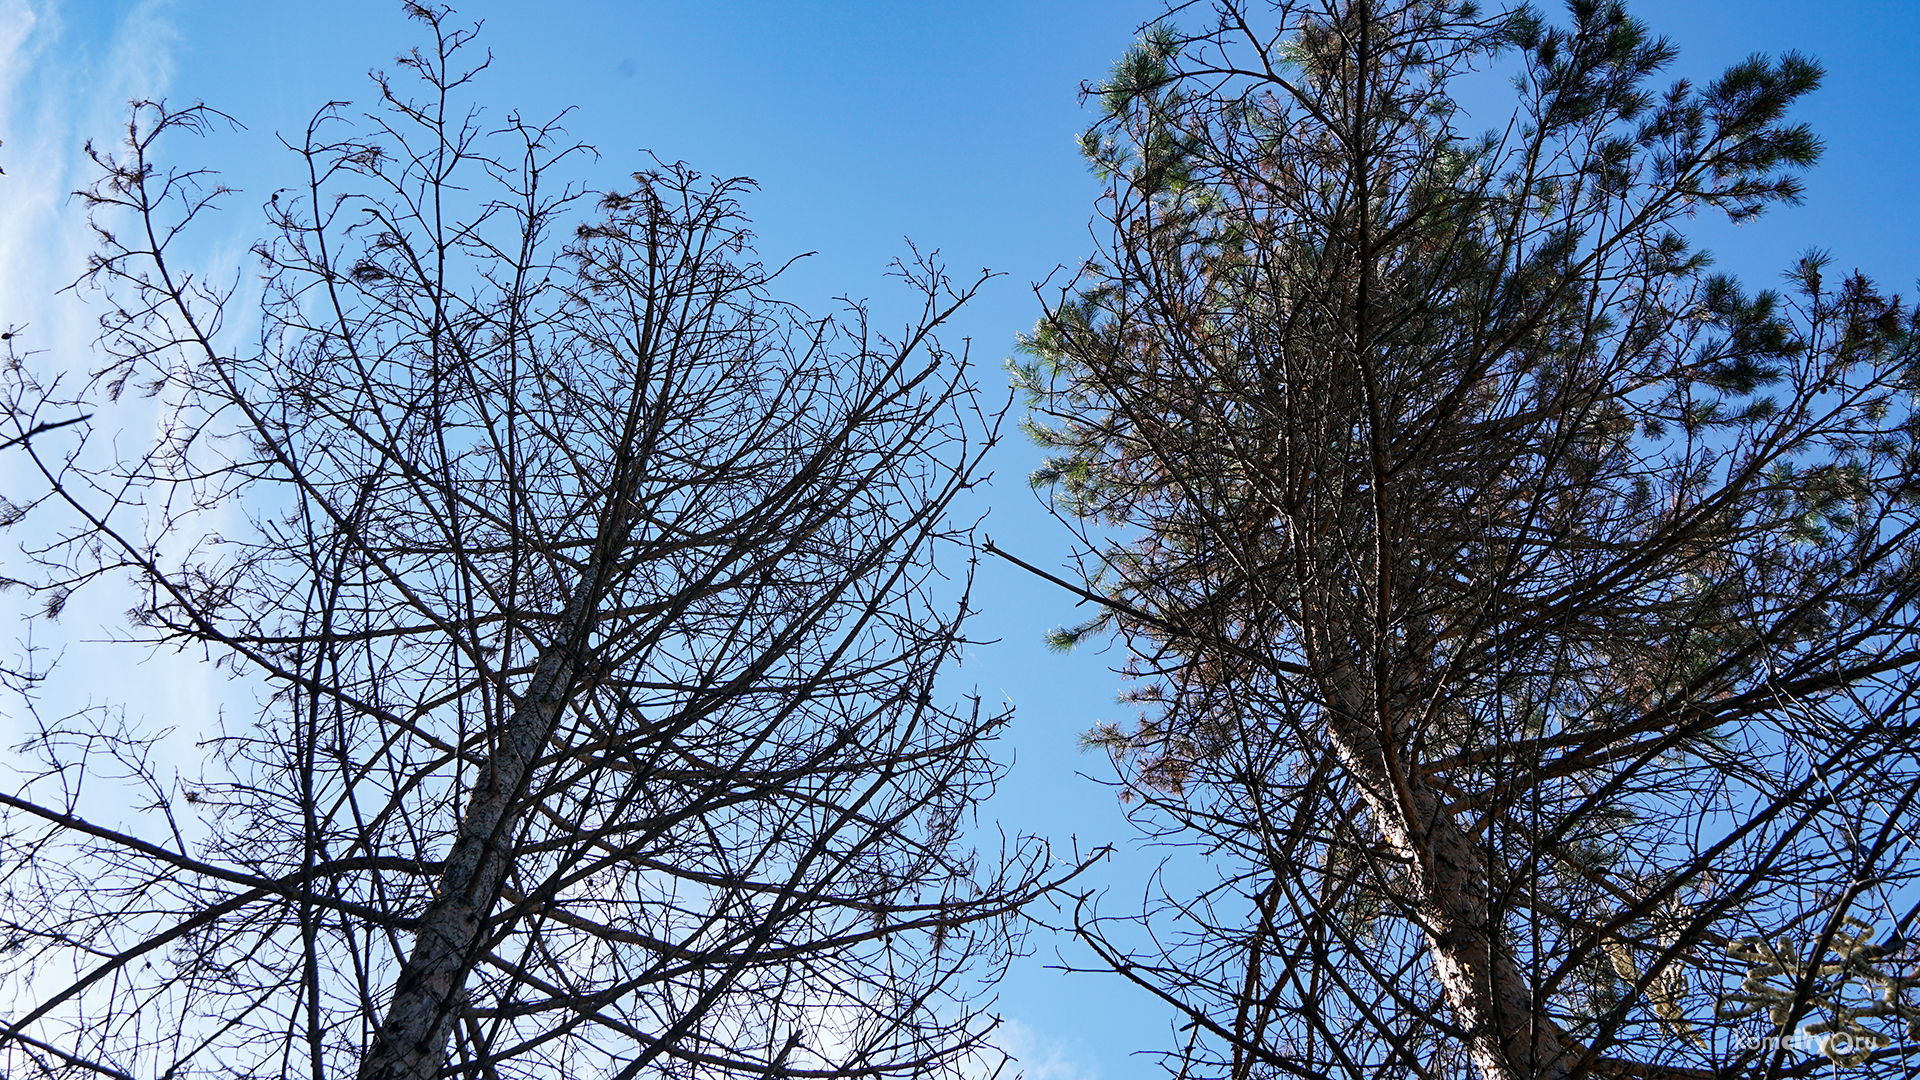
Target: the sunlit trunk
pixel 1485 988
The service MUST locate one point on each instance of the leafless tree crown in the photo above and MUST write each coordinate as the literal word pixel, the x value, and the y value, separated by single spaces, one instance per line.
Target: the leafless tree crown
pixel 594 603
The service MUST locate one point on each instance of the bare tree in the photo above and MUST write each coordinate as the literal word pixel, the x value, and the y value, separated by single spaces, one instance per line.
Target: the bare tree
pixel 1523 617
pixel 594 603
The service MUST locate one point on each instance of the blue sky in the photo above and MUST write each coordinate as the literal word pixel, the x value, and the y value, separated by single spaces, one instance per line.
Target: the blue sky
pixel 865 123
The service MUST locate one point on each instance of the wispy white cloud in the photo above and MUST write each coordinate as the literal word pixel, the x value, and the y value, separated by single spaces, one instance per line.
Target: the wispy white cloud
pixel 64 82
pixel 1040 1056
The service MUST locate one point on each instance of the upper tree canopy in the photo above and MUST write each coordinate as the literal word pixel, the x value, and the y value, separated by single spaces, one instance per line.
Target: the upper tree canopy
pixel 1522 613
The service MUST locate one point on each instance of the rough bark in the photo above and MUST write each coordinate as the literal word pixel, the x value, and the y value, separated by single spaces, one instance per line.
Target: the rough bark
pixel 411 1042
pixel 1488 992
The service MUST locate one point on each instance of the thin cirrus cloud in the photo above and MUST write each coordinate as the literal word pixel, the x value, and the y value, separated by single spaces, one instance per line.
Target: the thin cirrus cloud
pixel 59 88
pixel 65 83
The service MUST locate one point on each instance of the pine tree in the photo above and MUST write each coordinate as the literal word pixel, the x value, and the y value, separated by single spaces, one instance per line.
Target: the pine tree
pixel 1520 614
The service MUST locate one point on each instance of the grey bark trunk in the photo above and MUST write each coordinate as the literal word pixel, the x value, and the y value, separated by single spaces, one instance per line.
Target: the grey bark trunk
pixel 1511 1038
pixel 411 1043
pixel 1489 995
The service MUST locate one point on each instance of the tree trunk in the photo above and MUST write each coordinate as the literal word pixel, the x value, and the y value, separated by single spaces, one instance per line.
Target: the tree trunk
pixel 412 1042
pixel 1509 1038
